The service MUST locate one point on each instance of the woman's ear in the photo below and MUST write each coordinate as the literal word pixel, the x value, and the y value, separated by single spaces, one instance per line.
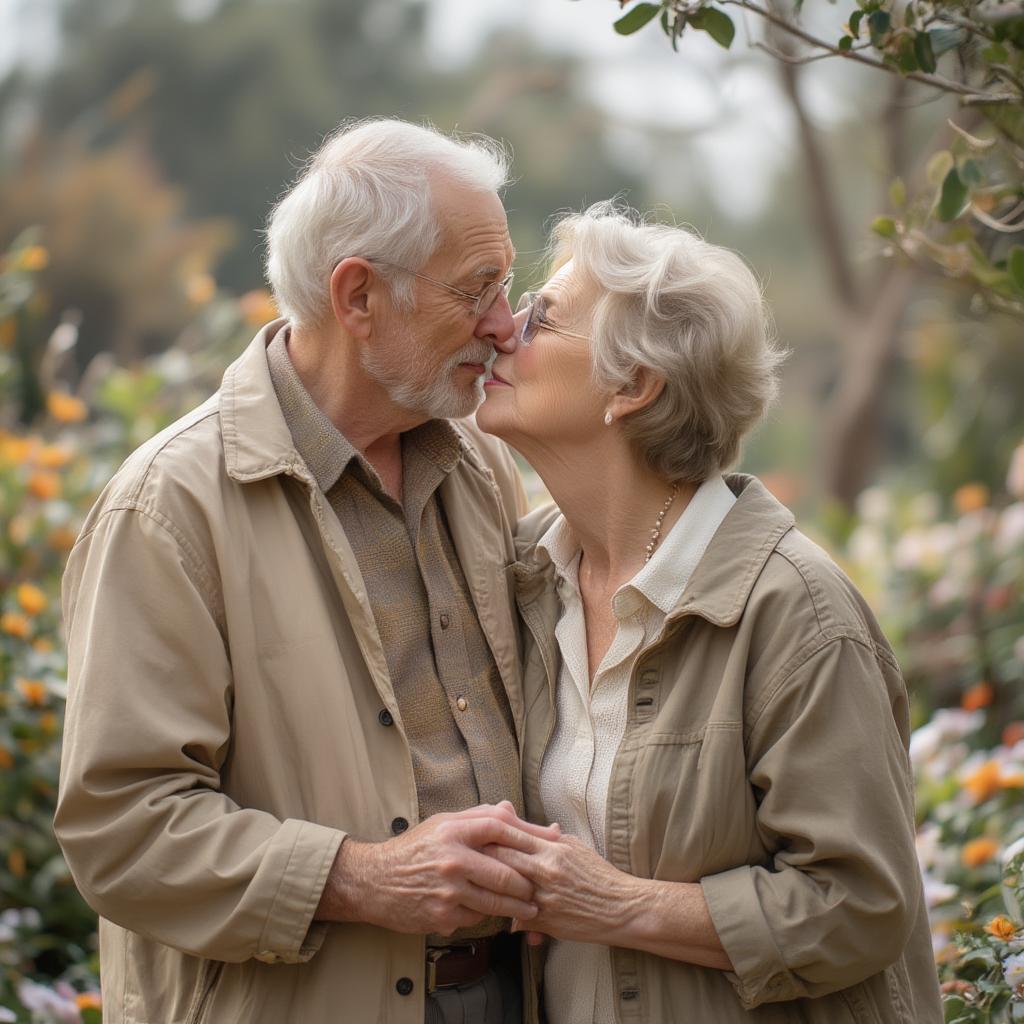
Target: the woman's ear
pixel 351 285
pixel 643 389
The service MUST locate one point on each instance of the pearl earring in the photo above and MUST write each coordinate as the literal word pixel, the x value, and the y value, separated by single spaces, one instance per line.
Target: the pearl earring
pixel 608 417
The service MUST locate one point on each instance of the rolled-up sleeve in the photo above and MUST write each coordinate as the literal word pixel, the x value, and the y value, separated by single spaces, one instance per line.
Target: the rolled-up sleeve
pixel 152 842
pixel 835 803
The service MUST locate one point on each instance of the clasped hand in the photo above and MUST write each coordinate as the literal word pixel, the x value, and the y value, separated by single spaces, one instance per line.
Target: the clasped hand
pixel 435 878
pixel 578 894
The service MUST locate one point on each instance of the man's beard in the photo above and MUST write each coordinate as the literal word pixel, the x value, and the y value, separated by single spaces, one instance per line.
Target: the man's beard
pixel 436 397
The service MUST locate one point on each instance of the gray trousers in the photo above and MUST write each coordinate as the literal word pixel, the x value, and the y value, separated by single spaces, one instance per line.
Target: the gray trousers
pixel 497 998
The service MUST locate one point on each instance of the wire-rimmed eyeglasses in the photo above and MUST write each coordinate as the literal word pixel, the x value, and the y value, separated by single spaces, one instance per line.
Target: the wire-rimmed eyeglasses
pixel 537 319
pixel 482 301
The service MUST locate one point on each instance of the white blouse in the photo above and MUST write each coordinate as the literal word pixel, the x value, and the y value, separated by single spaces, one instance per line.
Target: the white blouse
pixel 591 718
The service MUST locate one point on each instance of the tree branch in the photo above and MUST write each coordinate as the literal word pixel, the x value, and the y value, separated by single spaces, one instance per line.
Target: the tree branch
pixel 935 81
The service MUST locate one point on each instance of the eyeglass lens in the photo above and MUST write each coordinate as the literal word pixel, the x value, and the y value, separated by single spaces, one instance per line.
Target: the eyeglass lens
pixel 530 301
pixel 489 296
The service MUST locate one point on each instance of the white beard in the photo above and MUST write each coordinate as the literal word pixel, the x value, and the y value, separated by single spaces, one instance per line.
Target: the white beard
pixel 437 397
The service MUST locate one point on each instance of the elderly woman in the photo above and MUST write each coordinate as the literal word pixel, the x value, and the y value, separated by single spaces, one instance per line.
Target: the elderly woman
pixel 712 713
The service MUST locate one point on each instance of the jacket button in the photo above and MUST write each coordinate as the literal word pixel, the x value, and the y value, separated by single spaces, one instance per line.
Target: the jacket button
pixel 385 717
pixel 462 703
pixel 630 994
pixel 404 986
pixel 398 826
pixel 445 620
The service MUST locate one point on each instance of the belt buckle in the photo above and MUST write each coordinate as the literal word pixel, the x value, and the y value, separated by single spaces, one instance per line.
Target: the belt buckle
pixel 435 953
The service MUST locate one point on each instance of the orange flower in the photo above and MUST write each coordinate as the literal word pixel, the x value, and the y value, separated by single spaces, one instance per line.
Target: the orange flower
pixel 978 696
pixel 19 530
pixel 257 307
pixel 32 257
pixel 15 624
pixel 6 758
pixel 17 450
pixel 88 1001
pixel 1013 781
pixel 44 485
pixel 970 498
pixel 48 722
pixel 1002 928
pixel 978 852
pixel 33 690
pixel 16 863
pixel 1013 734
pixel 31 598
pixel 62 538
pixel 7 334
pixel 42 645
pixel 65 408
pixel 200 289
pixel 984 782
pixel 52 456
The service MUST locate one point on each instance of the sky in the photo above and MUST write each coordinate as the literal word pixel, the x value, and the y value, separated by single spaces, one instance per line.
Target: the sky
pixel 733 125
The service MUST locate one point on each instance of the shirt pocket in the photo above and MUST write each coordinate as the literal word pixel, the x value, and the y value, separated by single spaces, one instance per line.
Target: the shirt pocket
pixel 691 808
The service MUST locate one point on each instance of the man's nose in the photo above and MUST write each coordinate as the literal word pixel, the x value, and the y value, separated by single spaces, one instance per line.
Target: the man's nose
pixel 498 326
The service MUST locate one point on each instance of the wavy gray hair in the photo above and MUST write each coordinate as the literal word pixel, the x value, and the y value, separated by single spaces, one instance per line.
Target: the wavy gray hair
pixel 367 192
pixel 690 312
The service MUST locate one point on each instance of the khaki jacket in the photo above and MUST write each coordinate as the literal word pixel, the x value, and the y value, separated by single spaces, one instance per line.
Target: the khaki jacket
pixel 225 723
pixel 765 756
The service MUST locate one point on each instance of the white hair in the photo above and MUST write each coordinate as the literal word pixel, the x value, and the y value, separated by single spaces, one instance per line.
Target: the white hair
pixel 690 312
pixel 367 192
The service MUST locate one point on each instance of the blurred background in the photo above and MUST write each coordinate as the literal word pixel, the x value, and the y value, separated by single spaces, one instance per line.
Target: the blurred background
pixel 142 143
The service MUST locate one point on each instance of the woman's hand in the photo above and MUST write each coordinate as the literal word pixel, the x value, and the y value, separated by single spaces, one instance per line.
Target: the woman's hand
pixel 580 895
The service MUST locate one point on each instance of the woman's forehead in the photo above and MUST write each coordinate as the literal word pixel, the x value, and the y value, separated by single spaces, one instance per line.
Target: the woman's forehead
pixel 561 285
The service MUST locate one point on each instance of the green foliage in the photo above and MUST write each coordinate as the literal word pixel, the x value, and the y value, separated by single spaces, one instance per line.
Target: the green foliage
pixel 969 225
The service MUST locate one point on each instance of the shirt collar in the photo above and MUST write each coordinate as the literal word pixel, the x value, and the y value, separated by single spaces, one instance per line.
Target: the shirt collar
pixel 323 447
pixel 662 580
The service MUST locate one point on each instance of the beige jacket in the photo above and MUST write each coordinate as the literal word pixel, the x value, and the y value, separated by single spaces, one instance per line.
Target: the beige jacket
pixel 765 757
pixel 225 728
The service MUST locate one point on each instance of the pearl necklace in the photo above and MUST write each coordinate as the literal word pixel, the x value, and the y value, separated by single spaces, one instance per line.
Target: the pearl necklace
pixel 656 532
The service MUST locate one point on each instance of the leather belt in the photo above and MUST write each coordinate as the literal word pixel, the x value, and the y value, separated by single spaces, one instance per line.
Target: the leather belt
pixel 460 963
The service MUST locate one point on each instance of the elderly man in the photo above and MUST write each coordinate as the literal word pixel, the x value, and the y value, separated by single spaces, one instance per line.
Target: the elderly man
pixel 293 689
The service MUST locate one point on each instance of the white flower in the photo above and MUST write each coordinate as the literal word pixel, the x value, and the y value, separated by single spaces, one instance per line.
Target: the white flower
pixel 1016 847
pixel 946 726
pixel 936 892
pixel 1015 477
pixel 1013 970
pixel 873 505
pixel 1010 531
pixel 57 1006
pixel 7 1016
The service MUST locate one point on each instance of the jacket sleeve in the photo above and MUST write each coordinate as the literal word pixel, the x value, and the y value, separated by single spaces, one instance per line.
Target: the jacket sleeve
pixel 832 776
pixel 152 842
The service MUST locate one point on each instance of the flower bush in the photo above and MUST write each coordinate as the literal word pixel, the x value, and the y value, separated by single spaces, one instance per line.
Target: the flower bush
pixel 51 471
pixel 949 586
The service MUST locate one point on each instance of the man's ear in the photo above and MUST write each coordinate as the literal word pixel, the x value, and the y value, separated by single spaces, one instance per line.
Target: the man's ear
pixel 352 282
pixel 643 389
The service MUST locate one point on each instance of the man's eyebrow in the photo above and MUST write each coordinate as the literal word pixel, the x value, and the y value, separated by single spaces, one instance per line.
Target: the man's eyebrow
pixel 491 270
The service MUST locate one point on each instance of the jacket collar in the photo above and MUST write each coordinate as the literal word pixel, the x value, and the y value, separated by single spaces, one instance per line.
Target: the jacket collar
pixel 257 441
pixel 721 584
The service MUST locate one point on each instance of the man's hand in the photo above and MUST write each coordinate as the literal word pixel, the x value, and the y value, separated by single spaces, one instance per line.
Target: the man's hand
pixel 434 878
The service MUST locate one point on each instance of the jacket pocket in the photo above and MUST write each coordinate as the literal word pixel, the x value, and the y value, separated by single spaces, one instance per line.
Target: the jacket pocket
pixel 209 975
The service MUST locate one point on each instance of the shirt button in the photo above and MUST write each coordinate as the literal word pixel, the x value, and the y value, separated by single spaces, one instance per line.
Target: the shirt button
pixel 385 717
pixel 399 825
pixel 462 703
pixel 445 620
pixel 404 986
